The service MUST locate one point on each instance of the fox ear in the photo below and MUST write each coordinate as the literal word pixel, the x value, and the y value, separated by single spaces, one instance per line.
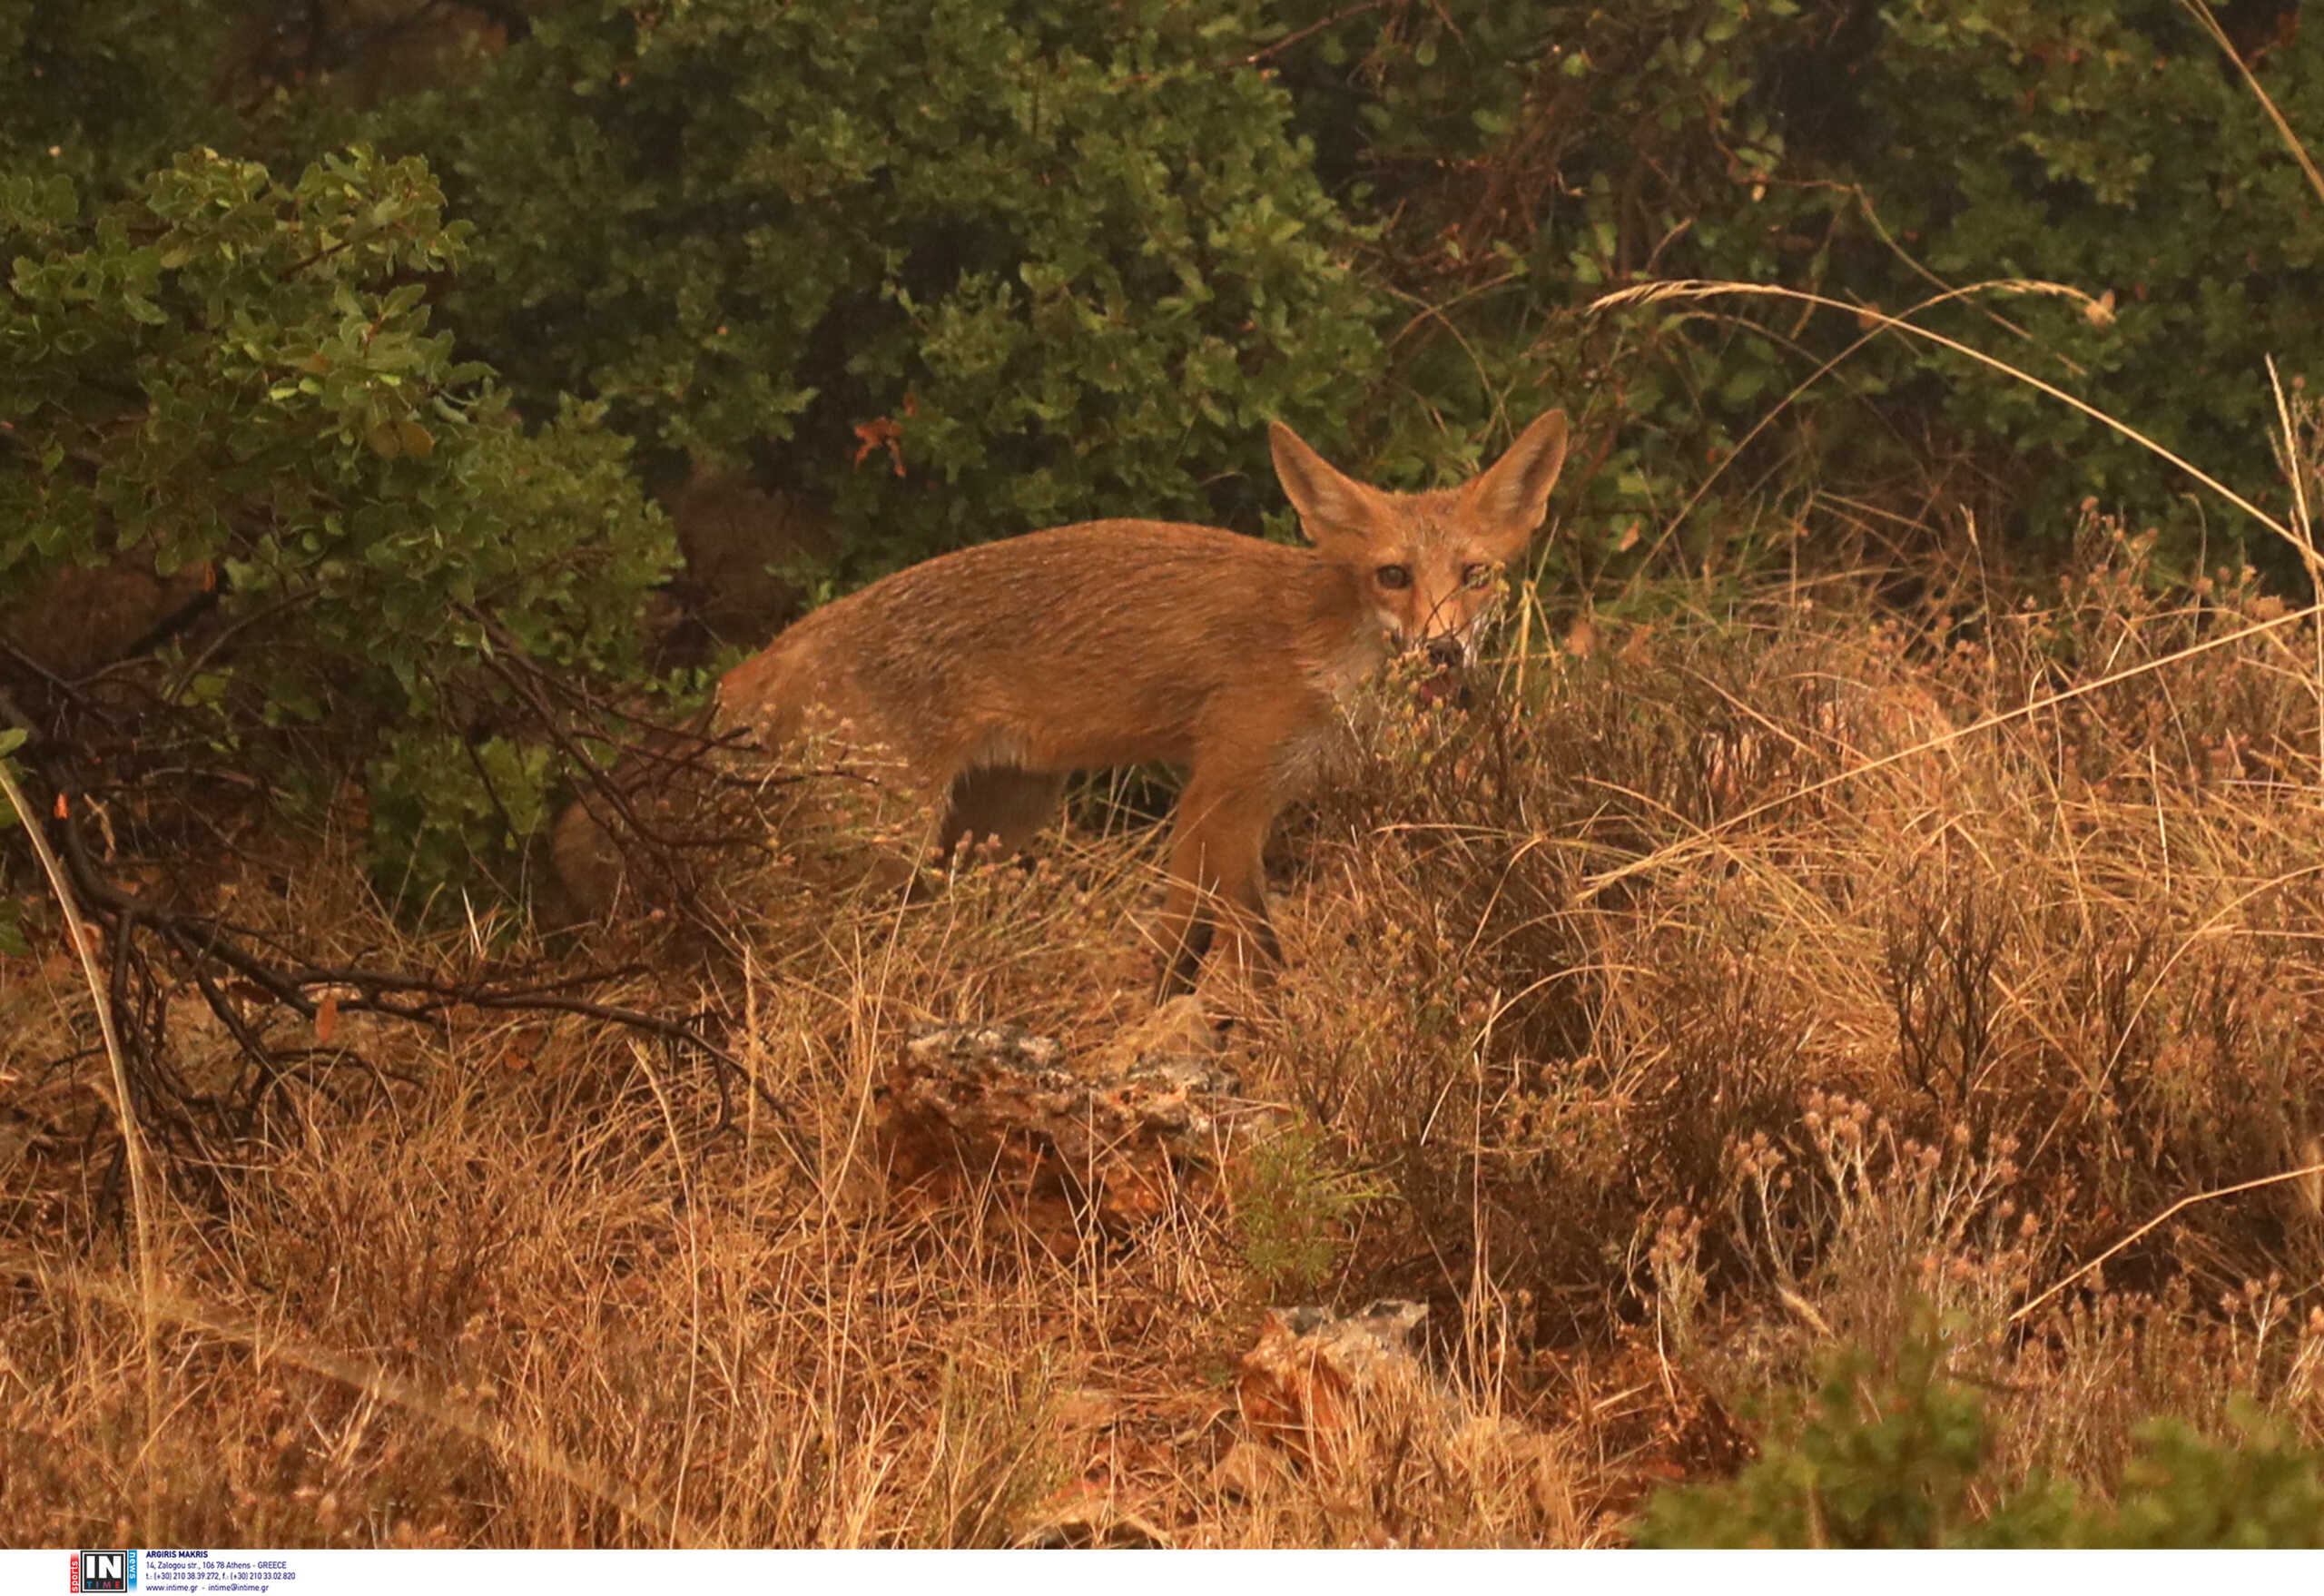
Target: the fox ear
pixel 1332 505
pixel 1513 495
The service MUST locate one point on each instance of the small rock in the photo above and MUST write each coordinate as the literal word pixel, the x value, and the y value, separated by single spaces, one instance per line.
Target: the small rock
pixel 1314 1374
pixel 1118 1138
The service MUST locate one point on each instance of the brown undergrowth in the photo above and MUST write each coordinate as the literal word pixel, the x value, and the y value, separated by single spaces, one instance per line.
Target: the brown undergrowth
pixel 1714 991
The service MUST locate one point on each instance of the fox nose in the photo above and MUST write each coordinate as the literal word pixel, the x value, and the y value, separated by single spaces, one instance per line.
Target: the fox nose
pixel 1447 652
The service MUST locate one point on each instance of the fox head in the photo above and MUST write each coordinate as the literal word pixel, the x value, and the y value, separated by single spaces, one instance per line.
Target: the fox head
pixel 1428 564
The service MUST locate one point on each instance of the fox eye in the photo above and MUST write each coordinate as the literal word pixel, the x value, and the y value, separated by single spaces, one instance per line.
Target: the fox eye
pixel 1476 576
pixel 1394 577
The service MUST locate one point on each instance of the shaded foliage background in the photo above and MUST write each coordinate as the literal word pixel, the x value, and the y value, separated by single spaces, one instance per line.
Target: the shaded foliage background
pixel 949 272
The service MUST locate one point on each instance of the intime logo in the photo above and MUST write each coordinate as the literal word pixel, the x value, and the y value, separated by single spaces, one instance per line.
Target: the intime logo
pixel 104 1570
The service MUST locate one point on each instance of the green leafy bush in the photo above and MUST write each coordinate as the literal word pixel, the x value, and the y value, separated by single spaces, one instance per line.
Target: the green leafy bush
pixel 2258 1489
pixel 952 268
pixel 103 92
pixel 1902 1462
pixel 1527 158
pixel 1520 160
pixel 236 375
pixel 2109 145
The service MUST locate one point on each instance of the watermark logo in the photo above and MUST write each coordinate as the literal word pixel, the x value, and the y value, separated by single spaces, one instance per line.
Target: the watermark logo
pixel 105 1571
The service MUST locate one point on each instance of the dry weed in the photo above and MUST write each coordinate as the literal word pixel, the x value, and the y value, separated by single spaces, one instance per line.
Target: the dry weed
pixel 1727 988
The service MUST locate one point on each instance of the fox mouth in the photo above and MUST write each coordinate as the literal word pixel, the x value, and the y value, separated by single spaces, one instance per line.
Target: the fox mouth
pixel 1442 688
pixel 1439 667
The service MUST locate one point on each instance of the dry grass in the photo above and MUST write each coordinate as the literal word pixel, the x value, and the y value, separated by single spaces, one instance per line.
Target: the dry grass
pixel 1623 1024
pixel 1747 1051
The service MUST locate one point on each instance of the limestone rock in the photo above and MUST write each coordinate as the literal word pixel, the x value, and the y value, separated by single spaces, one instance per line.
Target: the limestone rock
pixel 1315 1378
pixel 1114 1139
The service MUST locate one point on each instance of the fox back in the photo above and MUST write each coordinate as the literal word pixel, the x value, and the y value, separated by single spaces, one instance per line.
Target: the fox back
pixel 1105 644
pixel 994 672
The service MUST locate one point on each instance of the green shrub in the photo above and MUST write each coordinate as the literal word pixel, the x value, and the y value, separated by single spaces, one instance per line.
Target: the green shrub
pixel 2257 1489
pixel 104 91
pixel 2108 145
pixel 237 375
pixel 953 269
pixel 1528 158
pixel 1060 261
pixel 1902 1462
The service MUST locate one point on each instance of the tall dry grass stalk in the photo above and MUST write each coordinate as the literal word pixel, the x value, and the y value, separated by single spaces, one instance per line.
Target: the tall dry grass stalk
pixel 1651 294
pixel 2297 469
pixel 2208 22
pixel 84 938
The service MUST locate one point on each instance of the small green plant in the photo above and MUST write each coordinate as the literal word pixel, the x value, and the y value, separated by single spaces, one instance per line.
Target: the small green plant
pixel 1291 1206
pixel 994 1455
pixel 1903 1461
pixel 2258 1489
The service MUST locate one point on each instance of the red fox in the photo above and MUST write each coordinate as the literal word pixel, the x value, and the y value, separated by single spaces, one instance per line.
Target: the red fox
pixel 992 673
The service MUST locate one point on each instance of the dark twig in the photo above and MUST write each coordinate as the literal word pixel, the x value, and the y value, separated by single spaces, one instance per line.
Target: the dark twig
pixel 203 946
